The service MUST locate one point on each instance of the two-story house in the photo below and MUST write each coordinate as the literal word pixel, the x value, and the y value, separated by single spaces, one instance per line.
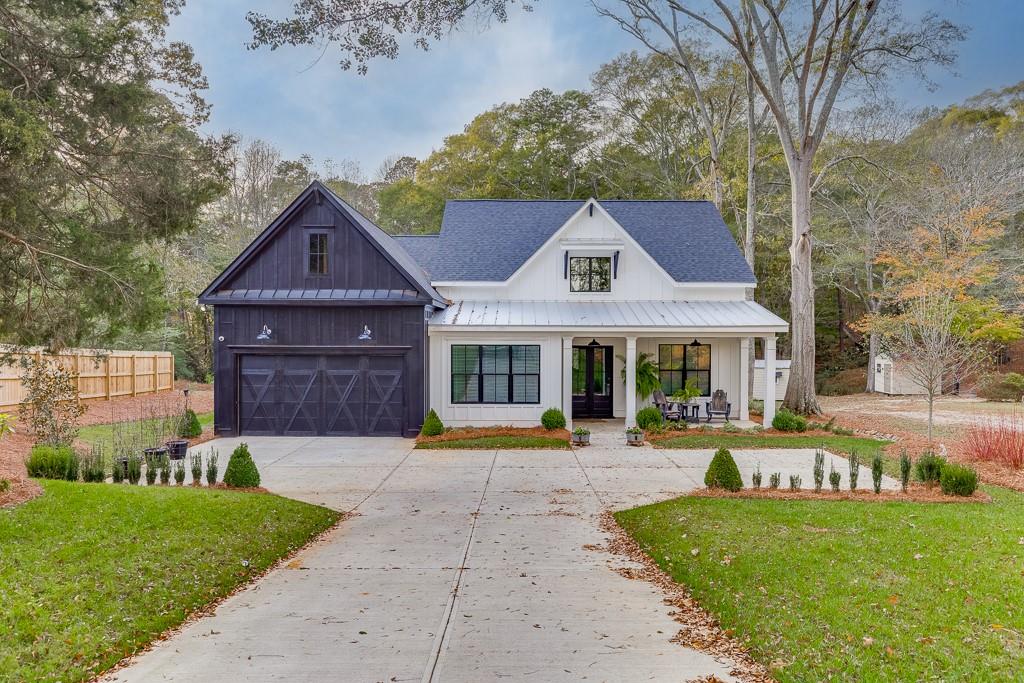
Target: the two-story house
pixel 327 325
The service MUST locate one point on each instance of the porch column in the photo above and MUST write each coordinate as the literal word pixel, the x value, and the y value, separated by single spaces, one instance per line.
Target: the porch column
pixel 567 381
pixel 744 378
pixel 769 380
pixel 630 381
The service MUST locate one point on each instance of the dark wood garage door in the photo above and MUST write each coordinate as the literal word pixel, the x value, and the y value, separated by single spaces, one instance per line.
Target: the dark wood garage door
pixel 308 395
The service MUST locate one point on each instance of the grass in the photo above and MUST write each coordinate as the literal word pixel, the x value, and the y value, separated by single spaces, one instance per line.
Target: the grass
pixel 497 442
pixel 839 591
pixel 89 573
pixel 103 434
pixel 866 448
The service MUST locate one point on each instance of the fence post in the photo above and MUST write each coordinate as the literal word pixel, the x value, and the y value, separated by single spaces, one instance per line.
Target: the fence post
pixel 156 374
pixel 134 374
pixel 108 377
pixel 75 367
pixel 171 384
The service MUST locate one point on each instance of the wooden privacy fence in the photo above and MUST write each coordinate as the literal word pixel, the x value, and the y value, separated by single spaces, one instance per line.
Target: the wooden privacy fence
pixel 101 374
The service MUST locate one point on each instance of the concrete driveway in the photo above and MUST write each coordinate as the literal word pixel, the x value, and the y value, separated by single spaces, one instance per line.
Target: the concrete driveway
pixel 457 566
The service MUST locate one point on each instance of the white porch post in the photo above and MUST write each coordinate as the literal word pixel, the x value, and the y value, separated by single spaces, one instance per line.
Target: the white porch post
pixel 630 381
pixel 567 381
pixel 744 378
pixel 769 380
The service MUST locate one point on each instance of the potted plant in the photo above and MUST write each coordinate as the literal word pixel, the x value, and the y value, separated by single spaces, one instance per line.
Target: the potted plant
pixel 634 436
pixel 177 448
pixel 688 394
pixel 581 436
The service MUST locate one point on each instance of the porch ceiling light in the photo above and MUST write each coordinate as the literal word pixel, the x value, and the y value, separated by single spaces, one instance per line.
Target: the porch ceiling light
pixel 594 342
pixel 695 343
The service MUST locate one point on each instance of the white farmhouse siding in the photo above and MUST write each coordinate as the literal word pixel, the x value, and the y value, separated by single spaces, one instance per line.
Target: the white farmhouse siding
pixel 890 380
pixel 781 379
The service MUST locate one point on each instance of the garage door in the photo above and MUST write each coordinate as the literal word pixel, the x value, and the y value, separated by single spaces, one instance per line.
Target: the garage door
pixel 303 395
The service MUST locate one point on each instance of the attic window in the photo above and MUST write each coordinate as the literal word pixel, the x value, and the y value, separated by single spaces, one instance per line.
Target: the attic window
pixel 316 253
pixel 590 274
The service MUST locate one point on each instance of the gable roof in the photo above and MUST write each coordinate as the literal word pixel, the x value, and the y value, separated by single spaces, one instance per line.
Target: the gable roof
pixel 389 248
pixel 487 240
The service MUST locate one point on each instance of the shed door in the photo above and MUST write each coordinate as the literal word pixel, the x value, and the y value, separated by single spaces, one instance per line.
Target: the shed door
pixel 300 395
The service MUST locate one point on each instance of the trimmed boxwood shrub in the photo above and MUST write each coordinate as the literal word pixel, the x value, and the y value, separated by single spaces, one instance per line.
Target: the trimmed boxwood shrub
pixel 722 472
pixel 241 471
pixel 649 417
pixel 929 468
pixel 958 480
pixel 52 462
pixel 786 421
pixel 432 425
pixel 553 418
pixel 190 427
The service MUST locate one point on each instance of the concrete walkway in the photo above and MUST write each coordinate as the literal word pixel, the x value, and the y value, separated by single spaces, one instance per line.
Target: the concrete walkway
pixel 458 566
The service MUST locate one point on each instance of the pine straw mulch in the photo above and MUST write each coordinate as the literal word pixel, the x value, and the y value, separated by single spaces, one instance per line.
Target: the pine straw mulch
pixel 951 447
pixel 916 493
pixel 459 433
pixel 700 630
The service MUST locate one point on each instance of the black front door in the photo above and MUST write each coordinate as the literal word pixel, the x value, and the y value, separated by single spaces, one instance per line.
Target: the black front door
pixel 592 381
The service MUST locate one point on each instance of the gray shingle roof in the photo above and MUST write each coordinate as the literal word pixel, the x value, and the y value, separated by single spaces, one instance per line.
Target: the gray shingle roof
pixel 487 240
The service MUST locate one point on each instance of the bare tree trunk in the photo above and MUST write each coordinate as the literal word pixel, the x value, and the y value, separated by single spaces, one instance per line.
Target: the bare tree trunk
pixel 931 405
pixel 872 355
pixel 800 394
pixel 748 237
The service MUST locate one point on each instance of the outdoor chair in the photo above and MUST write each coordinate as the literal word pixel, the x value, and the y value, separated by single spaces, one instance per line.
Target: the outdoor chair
pixel 667 411
pixel 719 405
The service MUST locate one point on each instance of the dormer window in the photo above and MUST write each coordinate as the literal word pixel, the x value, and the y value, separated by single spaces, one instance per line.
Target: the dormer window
pixel 590 274
pixel 316 253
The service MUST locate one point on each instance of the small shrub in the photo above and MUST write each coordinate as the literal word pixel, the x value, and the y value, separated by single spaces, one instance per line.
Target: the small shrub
pixel 1000 441
pixel 94 466
pixel 842 431
pixel 152 468
pixel 722 472
pixel 774 480
pixel 179 472
pixel 794 482
pixel 165 469
pixel 196 462
pixel 929 468
pixel 755 478
pixel 134 470
pixel 819 469
pixel 5 485
pixel 833 479
pixel 241 471
pixel 649 417
pixel 1002 387
pixel 117 473
pixel 581 431
pixel 958 480
pixel 786 421
pixel 553 418
pixel 211 467
pixel 876 472
pixel 904 470
pixel 432 425
pixel 51 406
pixel 52 462
pixel 755 406
pixel 730 428
pixel 854 469
pixel 190 427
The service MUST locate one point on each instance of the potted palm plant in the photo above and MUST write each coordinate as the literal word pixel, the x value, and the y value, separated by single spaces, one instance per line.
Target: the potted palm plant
pixel 688 394
pixel 581 436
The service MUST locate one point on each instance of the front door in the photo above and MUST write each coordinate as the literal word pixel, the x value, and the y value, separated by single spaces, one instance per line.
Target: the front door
pixel 592 381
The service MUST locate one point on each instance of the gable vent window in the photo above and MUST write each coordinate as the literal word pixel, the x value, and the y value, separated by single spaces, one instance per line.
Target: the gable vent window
pixel 590 274
pixel 316 262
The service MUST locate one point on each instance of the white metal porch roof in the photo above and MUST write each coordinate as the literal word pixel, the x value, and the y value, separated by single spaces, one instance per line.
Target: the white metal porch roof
pixel 723 316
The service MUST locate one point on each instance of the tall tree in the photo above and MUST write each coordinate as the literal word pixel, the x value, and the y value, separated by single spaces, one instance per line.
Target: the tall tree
pixel 100 156
pixel 799 60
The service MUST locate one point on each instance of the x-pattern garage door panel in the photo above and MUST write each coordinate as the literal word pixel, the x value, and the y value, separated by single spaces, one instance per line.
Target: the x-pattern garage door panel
pixel 337 395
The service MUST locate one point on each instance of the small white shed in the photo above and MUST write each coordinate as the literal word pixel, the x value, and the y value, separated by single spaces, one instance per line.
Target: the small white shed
pixel 889 379
pixel 781 378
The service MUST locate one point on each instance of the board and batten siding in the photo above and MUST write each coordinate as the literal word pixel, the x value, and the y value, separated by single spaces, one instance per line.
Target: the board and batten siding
pixel 542 277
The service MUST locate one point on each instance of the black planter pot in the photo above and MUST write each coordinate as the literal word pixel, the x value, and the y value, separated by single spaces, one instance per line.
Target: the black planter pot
pixel 155 452
pixel 177 449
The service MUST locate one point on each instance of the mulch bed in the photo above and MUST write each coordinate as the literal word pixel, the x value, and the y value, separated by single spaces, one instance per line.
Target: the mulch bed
pixel 699 629
pixel 459 433
pixel 655 437
pixel 916 493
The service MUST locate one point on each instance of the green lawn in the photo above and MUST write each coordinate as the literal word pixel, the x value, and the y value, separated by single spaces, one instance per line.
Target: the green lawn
pixel 91 572
pixel 854 591
pixel 866 448
pixel 498 442
pixel 103 435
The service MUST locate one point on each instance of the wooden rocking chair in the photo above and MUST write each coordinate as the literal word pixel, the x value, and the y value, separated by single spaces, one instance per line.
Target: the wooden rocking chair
pixel 719 406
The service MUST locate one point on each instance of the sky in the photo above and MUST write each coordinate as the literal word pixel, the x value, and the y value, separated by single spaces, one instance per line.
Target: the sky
pixel 300 100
